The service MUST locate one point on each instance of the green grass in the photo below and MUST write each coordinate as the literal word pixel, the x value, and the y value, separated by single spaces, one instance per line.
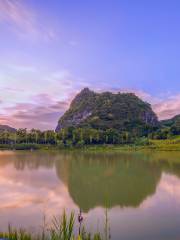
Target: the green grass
pixel 166 144
pixel 172 144
pixel 20 146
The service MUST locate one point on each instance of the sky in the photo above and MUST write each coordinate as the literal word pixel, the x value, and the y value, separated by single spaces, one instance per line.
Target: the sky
pixel 50 50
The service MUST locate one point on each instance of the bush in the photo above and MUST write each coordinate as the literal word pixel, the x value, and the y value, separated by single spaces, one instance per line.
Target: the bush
pixel 141 141
pixel 69 143
pixel 25 146
pixel 80 143
pixel 60 144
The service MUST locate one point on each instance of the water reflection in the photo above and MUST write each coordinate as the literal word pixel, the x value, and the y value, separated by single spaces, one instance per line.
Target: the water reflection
pixel 92 180
pixel 37 182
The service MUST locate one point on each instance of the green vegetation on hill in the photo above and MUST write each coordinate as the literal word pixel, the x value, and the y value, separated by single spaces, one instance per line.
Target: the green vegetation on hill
pixel 168 129
pixel 124 112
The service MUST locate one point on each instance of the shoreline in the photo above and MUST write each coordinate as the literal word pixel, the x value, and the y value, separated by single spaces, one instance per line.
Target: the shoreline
pixel 157 145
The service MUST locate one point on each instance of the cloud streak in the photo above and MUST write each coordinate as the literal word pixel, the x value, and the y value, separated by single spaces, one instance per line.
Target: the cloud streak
pixel 23 21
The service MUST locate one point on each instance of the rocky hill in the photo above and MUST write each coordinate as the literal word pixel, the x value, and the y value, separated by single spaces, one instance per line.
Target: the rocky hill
pixel 171 122
pixel 121 111
pixel 7 128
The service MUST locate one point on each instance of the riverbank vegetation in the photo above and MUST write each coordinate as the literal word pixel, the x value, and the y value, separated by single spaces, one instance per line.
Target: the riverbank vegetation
pixel 62 228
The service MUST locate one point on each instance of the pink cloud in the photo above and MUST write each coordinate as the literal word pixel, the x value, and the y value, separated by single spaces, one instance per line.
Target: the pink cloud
pixel 31 105
pixel 168 108
pixel 43 113
pixel 28 194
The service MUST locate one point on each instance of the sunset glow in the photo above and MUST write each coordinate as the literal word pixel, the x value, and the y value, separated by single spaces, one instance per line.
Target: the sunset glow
pixel 48 56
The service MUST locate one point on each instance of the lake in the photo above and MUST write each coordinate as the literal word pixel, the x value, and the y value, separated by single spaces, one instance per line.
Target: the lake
pixel 140 189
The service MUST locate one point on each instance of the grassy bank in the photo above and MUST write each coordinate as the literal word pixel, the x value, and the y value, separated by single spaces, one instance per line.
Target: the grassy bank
pixel 142 144
pixel 160 145
pixel 62 228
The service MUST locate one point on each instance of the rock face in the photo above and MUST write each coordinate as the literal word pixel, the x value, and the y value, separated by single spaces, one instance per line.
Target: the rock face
pixel 7 128
pixel 121 111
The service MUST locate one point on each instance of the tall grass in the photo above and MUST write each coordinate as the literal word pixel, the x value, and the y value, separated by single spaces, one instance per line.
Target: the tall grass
pixel 62 228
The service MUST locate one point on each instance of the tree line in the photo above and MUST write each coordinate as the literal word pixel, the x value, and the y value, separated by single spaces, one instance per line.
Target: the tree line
pixel 67 137
pixel 84 136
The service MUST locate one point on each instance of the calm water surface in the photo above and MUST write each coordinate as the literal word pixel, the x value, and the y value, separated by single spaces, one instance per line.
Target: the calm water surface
pixel 141 190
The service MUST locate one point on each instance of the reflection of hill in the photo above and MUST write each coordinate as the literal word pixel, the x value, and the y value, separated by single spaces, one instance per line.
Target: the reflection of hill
pixel 98 179
pixel 117 179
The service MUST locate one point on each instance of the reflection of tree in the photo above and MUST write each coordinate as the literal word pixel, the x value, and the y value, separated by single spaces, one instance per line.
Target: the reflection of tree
pixel 98 179
pixel 27 159
pixel 169 162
